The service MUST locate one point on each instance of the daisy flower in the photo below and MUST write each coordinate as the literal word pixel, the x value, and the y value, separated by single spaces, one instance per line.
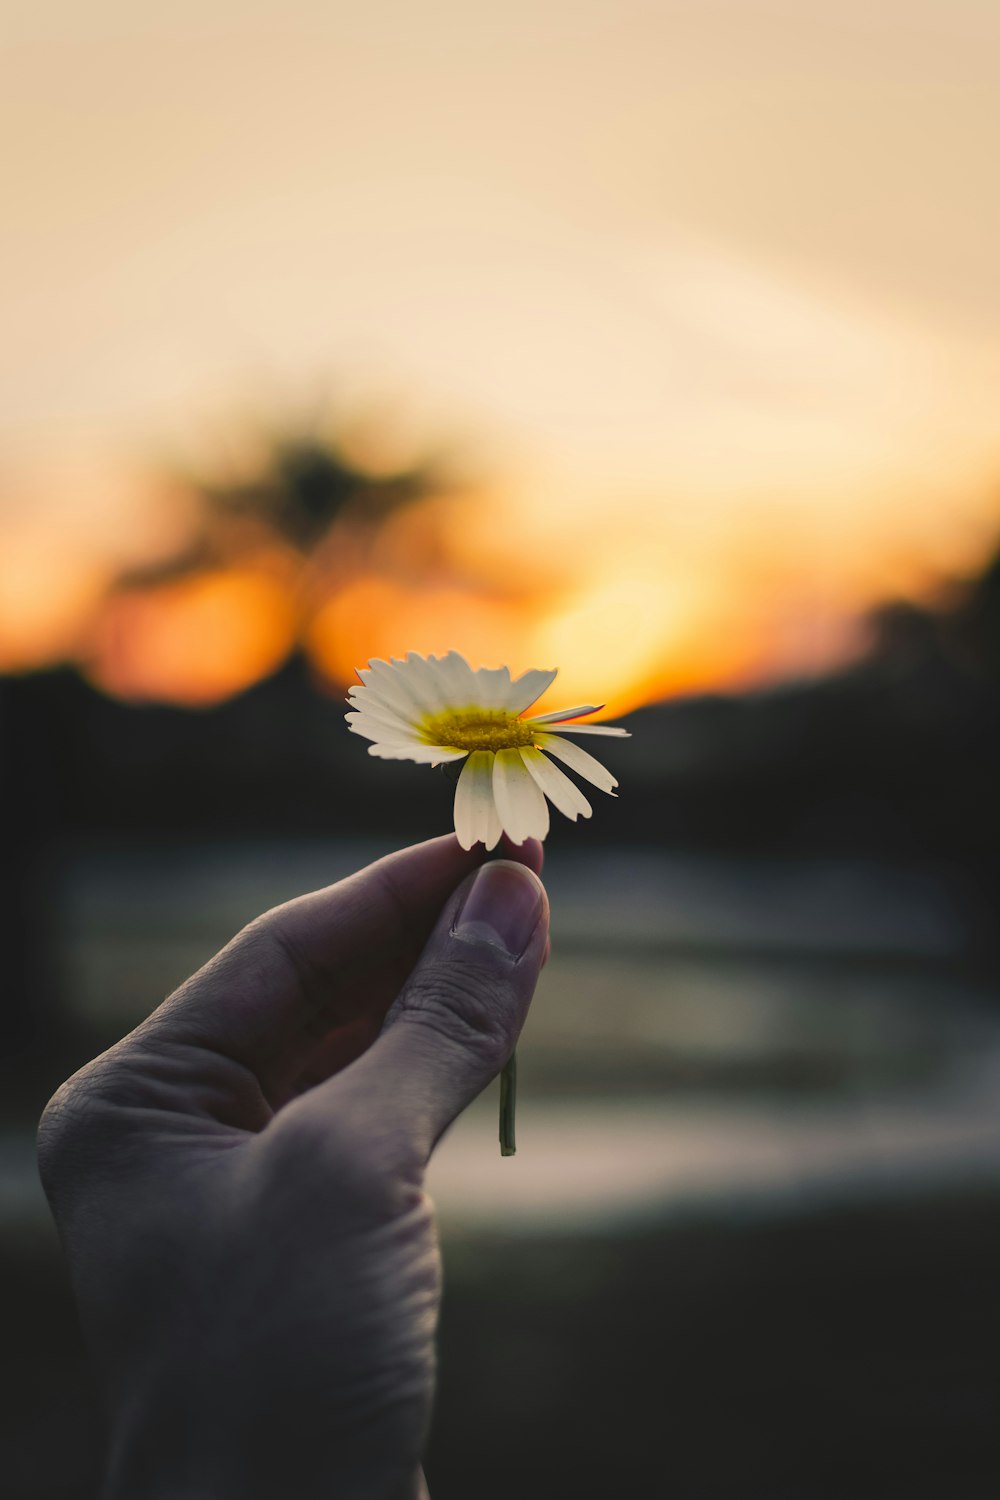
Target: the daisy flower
pixel 437 709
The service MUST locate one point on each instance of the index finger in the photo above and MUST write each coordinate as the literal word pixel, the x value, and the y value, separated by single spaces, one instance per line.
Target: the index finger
pixel 335 957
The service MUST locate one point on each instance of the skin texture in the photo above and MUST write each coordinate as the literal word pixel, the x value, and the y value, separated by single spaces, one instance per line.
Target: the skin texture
pixel 239 1182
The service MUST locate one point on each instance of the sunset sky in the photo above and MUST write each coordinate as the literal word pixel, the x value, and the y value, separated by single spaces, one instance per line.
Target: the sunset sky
pixel 710 291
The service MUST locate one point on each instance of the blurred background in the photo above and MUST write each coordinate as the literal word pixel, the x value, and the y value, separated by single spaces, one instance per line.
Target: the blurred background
pixel 658 343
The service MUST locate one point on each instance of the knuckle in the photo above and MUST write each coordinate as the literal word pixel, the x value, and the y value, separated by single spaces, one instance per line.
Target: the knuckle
pixel 258 955
pixel 470 1006
pixel 267 955
pixel 83 1121
pixel 325 1158
pixel 67 1124
pixel 302 1134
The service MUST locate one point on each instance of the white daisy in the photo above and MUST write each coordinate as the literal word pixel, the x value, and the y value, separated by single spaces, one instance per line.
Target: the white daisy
pixel 436 709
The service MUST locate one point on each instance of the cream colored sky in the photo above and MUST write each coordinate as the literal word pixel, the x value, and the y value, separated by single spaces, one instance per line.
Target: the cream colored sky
pixel 727 265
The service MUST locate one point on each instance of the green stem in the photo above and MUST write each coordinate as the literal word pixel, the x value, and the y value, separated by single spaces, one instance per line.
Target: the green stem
pixel 508 1103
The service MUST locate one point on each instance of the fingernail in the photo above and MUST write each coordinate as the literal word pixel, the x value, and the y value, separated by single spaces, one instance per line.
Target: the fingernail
pixel 502 908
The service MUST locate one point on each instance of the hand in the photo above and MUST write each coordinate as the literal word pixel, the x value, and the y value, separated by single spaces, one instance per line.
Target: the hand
pixel 239 1182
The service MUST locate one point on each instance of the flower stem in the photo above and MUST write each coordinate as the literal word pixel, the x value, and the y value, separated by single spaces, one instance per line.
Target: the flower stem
pixel 508 1103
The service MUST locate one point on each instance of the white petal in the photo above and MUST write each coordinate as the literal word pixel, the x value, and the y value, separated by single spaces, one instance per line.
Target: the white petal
pixel 427 681
pixel 561 792
pixel 494 828
pixel 492 686
pixel 373 713
pixel 385 687
pixel 566 713
pixel 392 682
pixel 621 734
pixel 528 688
pixel 428 755
pixel 422 681
pixel 579 761
pixel 474 800
pixel 459 679
pixel 523 811
pixel 384 719
pixel 379 732
pixel 377 697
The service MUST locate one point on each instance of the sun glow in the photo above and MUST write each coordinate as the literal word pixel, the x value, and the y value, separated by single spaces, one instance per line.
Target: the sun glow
pixel 626 623
pixel 193 642
pixel 717 302
pixel 374 615
pixel 47 599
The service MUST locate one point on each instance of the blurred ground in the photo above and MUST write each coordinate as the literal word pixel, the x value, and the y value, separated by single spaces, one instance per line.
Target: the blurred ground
pixel 748 1244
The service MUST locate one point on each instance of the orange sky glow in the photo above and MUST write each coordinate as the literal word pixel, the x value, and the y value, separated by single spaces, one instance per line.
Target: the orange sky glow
pixel 712 314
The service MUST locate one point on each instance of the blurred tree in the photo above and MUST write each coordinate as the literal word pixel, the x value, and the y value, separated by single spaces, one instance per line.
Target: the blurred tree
pixel 270 537
pixel 976 624
pixel 299 488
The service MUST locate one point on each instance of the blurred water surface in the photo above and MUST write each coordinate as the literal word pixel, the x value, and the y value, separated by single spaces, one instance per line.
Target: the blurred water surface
pixel 704 1024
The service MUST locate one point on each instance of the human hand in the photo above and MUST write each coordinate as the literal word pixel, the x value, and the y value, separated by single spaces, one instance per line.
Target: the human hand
pixel 239 1182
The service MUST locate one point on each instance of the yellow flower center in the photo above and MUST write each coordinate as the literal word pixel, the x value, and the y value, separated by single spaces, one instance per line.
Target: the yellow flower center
pixel 476 729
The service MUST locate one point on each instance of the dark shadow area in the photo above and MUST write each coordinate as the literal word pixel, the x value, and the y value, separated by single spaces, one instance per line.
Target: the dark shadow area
pixel 838 1355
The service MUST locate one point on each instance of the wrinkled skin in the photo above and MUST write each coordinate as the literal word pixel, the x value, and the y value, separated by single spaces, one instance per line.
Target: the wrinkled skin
pixel 239 1182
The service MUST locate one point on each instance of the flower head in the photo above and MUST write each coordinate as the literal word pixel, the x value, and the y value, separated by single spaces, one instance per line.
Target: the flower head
pixel 437 709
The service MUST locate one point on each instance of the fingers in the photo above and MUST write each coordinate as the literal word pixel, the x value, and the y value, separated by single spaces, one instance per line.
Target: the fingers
pixel 454 1024
pixel 324 964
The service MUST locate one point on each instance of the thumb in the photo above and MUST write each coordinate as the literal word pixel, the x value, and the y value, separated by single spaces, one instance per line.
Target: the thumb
pixel 455 1022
